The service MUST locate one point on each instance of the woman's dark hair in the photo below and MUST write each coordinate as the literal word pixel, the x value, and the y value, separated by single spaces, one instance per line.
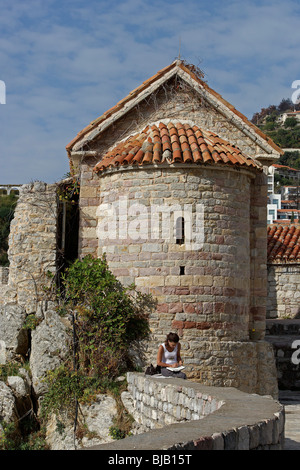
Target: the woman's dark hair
pixel 173 337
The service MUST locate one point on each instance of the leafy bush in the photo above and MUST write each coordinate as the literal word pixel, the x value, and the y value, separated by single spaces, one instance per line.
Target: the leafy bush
pixel 290 122
pixel 107 316
pixel 65 388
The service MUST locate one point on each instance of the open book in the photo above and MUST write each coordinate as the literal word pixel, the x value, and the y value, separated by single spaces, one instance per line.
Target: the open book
pixel 175 369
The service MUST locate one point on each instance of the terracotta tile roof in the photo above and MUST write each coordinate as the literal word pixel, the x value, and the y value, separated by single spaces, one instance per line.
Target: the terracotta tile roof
pixel 284 243
pixel 285 221
pixel 147 83
pixel 175 143
pixel 276 165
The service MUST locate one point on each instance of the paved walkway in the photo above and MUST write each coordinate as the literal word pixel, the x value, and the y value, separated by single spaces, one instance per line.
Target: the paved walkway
pixel 291 402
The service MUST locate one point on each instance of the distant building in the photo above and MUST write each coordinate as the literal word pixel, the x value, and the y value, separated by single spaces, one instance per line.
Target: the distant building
pixel 283 206
pixel 290 193
pixel 7 189
pixel 274 203
pixel 287 172
pixel 289 114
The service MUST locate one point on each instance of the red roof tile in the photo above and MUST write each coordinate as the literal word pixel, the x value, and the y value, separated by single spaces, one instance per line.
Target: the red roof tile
pixel 171 143
pixel 284 243
pixel 276 165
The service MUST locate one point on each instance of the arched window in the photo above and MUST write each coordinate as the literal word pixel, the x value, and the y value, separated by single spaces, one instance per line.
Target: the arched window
pixel 180 231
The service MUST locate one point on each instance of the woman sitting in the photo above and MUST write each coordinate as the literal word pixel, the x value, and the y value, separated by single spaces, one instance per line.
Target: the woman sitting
pixel 168 356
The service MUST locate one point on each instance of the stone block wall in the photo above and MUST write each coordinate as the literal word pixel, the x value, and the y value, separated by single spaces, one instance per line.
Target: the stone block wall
pixel 32 246
pixel 184 415
pixel 283 291
pixel 156 404
pixel 258 254
pixel 209 296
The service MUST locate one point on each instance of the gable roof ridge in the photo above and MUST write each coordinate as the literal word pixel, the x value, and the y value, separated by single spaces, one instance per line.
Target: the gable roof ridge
pixel 229 106
pixel 183 69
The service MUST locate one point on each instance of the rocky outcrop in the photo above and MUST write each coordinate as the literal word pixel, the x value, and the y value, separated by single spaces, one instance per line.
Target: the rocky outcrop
pixel 13 337
pixel 49 348
pixel 97 419
pixel 15 400
pixel 8 412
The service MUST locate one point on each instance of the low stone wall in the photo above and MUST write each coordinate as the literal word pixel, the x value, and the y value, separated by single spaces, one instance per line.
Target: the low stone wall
pixel 157 404
pixel 184 415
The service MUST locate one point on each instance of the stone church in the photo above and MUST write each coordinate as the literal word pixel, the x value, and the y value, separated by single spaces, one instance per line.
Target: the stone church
pixel 173 189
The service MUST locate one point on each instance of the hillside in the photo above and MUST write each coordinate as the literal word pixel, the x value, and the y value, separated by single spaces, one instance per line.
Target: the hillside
pixel 286 134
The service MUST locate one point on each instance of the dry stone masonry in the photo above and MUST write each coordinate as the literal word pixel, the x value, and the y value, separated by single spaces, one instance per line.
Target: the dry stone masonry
pixel 199 417
pixel 283 290
pixel 32 246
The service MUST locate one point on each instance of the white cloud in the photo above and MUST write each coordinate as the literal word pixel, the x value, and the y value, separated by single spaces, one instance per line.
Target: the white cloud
pixel 65 63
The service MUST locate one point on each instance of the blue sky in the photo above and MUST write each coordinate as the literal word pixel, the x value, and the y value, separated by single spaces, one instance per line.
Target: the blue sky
pixel 66 62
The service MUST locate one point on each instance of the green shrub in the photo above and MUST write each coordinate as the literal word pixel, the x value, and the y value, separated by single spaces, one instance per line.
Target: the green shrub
pixel 107 316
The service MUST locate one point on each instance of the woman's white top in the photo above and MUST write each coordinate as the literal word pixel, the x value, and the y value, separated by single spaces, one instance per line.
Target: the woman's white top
pixel 169 357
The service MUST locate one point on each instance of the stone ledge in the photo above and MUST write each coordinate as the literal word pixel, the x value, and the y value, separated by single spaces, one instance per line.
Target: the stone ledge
pixel 242 422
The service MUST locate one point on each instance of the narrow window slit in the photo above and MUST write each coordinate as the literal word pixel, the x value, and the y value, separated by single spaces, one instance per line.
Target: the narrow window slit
pixel 180 231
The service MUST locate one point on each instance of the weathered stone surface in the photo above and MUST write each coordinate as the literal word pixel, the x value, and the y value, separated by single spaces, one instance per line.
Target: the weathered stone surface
pixel 49 348
pixel 283 291
pixel 96 420
pixel 233 420
pixel 21 390
pixel 32 245
pixel 7 404
pixel 14 339
pixel 99 417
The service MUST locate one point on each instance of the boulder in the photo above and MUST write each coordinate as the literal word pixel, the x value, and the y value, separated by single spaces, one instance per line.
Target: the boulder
pixel 13 337
pixel 21 391
pixel 8 411
pixel 49 348
pixel 96 420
